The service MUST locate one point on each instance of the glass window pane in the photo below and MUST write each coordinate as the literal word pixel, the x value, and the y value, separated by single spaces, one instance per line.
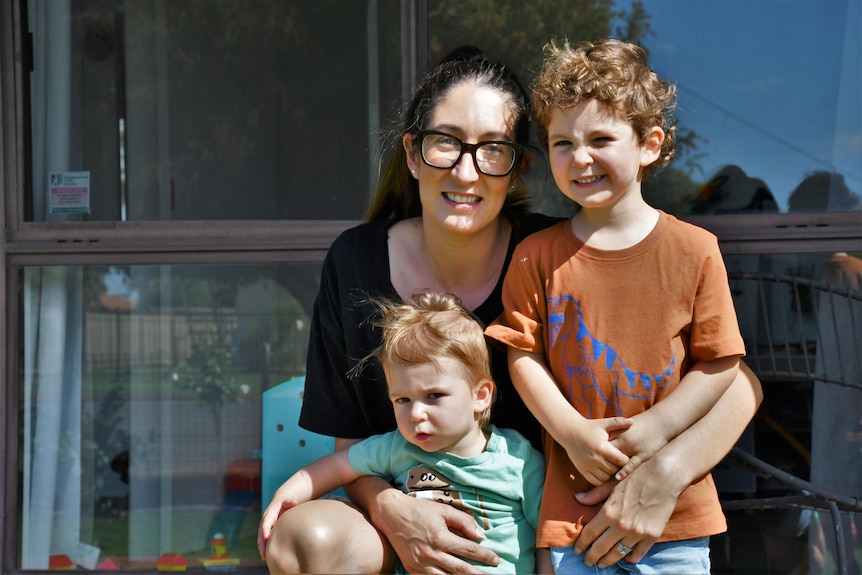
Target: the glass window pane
pixel 209 109
pixel 801 317
pixel 142 407
pixel 770 92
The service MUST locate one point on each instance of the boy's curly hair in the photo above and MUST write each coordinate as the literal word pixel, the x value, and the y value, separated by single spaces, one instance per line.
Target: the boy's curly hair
pixel 614 73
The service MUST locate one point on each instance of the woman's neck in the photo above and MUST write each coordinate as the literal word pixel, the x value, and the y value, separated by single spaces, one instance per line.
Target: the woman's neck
pixel 468 266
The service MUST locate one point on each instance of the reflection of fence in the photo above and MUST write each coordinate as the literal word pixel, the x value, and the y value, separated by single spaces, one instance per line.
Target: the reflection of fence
pixel 122 340
pixel 801 330
pixel 787 320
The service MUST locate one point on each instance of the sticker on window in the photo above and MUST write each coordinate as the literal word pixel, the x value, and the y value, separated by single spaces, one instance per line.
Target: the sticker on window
pixel 69 192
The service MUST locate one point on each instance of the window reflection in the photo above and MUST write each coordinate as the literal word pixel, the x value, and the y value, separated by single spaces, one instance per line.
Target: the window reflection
pixel 801 317
pixel 142 407
pixel 747 107
pixel 211 109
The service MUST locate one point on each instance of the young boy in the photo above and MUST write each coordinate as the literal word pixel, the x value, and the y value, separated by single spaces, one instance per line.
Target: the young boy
pixel 435 358
pixel 620 323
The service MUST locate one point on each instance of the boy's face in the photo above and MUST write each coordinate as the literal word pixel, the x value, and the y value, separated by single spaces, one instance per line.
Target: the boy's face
pixel 436 407
pixel 595 155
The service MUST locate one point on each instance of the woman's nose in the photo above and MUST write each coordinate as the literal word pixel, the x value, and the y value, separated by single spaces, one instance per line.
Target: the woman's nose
pixel 465 169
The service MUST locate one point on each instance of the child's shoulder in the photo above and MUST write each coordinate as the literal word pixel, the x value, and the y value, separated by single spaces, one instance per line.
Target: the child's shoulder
pixel 679 228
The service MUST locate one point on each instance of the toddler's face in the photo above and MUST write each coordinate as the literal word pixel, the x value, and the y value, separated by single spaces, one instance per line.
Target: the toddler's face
pixel 436 407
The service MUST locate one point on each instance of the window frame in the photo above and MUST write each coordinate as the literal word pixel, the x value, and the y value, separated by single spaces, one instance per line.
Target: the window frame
pixel 239 241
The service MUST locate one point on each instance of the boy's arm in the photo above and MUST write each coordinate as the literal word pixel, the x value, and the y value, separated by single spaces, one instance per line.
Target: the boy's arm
pixel 697 393
pixel 586 441
pixel 315 479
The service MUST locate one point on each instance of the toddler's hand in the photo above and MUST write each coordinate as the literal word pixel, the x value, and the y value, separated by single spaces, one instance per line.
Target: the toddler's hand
pixel 267 521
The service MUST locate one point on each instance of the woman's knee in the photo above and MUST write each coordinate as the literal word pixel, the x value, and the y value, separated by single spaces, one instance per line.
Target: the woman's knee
pixel 326 536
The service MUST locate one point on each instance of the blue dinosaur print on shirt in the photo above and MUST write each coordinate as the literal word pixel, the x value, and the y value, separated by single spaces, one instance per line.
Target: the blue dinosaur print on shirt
pixel 585 360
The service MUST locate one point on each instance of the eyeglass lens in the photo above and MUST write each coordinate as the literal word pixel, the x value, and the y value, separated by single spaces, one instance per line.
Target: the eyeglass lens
pixel 490 158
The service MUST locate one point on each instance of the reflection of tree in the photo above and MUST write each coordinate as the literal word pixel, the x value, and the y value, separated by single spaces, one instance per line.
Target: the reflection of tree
pixel 208 377
pixel 515 32
pixel 823 191
pixel 731 190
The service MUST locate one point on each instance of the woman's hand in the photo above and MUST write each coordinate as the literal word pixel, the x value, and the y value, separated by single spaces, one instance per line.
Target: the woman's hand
pixel 431 537
pixel 638 508
pixel 635 513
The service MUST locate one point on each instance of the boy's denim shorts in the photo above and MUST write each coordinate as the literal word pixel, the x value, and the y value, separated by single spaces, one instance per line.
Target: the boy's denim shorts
pixel 688 557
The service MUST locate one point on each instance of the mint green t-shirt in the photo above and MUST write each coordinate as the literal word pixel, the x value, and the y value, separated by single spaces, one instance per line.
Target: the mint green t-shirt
pixel 501 487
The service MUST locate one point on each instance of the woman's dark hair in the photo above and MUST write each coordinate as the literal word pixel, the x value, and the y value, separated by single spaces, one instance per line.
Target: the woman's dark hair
pixel 397 192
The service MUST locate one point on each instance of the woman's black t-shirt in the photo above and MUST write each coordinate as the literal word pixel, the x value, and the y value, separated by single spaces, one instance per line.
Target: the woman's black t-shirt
pixel 356 269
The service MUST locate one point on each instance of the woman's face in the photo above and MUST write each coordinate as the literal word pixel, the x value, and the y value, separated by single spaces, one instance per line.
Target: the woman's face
pixel 461 199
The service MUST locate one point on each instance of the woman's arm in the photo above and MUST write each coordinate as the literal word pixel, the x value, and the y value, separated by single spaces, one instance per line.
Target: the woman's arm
pixel 427 537
pixel 698 391
pixel 638 508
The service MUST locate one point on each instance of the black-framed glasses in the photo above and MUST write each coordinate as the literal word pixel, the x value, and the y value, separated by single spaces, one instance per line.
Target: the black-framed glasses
pixel 492 158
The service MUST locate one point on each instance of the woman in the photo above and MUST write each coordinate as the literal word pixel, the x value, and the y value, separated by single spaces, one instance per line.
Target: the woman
pixel 446 215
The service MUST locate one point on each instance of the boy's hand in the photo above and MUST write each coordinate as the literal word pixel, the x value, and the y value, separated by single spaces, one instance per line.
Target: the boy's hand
pixel 640 441
pixel 591 451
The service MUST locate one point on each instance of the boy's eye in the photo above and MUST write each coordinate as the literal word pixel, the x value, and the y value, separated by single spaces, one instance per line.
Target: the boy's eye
pixel 435 395
pixel 561 144
pixel 400 400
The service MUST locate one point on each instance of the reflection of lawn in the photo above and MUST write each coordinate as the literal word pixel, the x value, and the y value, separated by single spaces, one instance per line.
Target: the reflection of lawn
pixel 190 529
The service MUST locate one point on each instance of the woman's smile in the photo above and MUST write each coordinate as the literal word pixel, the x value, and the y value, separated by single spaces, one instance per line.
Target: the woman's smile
pixel 461 198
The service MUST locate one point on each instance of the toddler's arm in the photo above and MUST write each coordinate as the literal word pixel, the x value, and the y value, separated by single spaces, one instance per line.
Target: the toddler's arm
pixel 586 441
pixel 317 478
pixel 698 391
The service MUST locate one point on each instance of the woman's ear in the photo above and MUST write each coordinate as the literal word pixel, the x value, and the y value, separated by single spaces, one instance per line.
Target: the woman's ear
pixel 410 152
pixel 651 146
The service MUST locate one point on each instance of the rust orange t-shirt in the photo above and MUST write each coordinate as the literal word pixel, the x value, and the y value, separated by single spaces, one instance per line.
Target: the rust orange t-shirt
pixel 618 330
